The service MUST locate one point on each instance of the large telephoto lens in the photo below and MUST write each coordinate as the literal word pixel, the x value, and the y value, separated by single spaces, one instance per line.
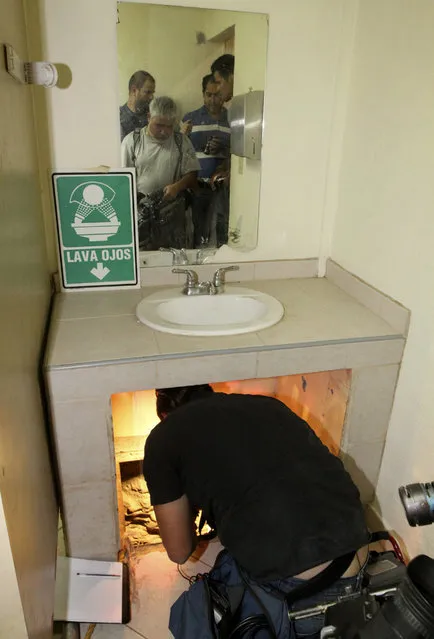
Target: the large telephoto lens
pixel 418 502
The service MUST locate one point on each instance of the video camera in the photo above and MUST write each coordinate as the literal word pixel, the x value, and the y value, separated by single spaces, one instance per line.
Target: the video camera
pixel 396 602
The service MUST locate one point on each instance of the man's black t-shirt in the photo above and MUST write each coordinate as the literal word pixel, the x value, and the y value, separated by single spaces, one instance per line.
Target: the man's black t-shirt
pixel 281 502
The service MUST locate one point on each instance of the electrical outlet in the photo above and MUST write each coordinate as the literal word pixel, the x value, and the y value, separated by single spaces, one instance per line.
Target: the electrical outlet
pixel 241 166
pixel 14 65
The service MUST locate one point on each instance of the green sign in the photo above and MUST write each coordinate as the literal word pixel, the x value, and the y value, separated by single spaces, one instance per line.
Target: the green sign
pixel 96 229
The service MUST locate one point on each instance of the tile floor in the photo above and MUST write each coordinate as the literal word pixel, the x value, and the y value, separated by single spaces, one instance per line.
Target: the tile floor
pixel 155 585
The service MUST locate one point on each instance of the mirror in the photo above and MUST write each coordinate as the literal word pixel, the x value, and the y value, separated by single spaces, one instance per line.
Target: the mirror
pixel 179 69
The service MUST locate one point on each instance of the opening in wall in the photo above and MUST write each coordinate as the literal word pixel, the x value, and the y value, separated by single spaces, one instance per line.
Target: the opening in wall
pixel 318 398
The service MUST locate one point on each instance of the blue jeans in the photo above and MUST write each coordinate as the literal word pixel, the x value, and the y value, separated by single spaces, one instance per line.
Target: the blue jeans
pixel 310 628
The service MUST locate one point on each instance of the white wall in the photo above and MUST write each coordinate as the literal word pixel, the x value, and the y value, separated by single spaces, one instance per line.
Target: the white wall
pixel 384 229
pixel 304 55
pixel 28 511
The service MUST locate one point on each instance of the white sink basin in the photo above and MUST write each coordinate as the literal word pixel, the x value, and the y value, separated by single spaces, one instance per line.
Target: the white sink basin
pixel 237 310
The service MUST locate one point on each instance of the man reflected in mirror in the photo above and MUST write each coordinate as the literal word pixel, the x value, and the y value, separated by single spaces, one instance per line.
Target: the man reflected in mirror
pixel 166 168
pixel 134 113
pixel 223 69
pixel 210 134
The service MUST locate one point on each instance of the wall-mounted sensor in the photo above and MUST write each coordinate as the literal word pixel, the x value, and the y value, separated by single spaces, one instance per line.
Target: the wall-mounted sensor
pixel 40 73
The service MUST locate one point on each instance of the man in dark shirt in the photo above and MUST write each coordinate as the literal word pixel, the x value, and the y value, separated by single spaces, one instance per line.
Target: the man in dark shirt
pixel 134 113
pixel 224 69
pixel 282 504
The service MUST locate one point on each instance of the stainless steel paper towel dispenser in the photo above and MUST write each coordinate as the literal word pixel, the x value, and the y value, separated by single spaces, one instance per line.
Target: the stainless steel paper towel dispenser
pixel 246 116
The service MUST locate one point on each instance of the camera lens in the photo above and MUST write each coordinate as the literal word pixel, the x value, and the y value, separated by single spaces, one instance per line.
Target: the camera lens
pixel 418 502
pixel 410 614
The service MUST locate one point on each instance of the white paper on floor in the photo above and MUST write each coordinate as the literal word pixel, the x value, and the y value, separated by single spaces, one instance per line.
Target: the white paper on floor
pixel 88 590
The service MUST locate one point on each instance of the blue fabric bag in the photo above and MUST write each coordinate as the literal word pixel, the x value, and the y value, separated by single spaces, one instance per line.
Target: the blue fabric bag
pixel 192 615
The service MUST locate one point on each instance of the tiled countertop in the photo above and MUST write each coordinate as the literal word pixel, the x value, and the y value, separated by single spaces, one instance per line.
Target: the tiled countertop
pixel 97 328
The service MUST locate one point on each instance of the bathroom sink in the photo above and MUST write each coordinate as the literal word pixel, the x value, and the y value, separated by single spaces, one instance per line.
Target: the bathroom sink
pixel 237 310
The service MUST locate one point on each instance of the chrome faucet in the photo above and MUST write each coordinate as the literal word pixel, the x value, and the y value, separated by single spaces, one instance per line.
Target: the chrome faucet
pixel 219 279
pixel 179 256
pixel 199 256
pixel 193 286
pixel 203 253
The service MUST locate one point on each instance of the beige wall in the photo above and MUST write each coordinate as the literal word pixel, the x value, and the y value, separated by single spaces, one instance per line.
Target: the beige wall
pixel 29 510
pixel 133 44
pixel 384 229
pixel 306 41
pixel 35 30
pixel 12 623
pixel 162 40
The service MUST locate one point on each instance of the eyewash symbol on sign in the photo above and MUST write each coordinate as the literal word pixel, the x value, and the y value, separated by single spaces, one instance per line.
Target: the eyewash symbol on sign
pixel 94 197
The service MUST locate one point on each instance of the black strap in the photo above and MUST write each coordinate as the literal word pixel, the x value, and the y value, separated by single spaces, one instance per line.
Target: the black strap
pixel 235 596
pixel 136 139
pixel 380 535
pixel 208 597
pixel 323 580
pixel 178 142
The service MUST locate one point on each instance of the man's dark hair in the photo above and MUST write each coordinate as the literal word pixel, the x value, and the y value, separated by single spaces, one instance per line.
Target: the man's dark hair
pixel 206 80
pixel 138 79
pixel 225 65
pixel 169 399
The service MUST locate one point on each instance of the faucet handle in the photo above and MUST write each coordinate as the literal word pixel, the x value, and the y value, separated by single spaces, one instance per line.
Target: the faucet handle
pixel 192 276
pixel 163 249
pixel 183 257
pixel 219 278
pixel 179 256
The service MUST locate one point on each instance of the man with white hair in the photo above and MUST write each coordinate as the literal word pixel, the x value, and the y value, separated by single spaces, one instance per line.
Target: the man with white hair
pixel 166 167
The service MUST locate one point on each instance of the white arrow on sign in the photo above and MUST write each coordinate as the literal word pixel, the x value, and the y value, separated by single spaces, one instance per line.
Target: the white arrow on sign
pixel 100 271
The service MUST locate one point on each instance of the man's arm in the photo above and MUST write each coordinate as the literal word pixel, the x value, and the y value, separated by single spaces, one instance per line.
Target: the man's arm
pixel 186 124
pixel 176 525
pixel 186 127
pixel 189 181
